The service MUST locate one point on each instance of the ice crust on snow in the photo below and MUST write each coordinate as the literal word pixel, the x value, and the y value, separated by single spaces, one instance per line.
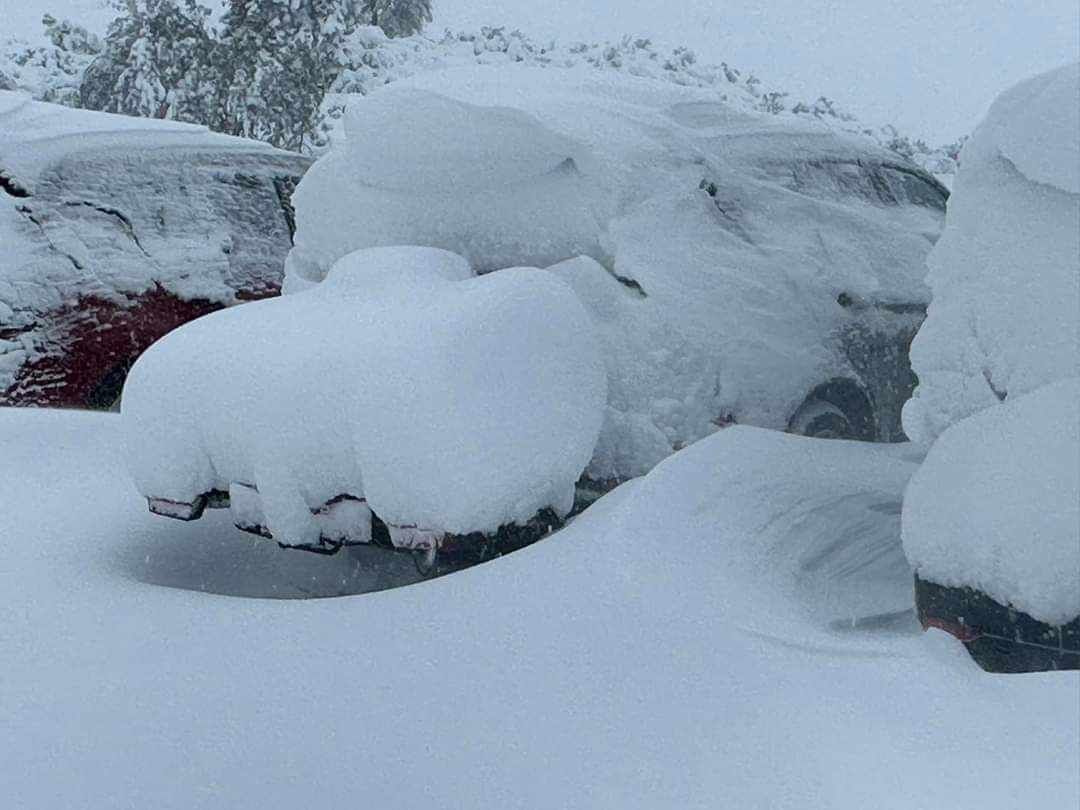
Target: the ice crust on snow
pixel 1005 275
pixel 721 305
pixel 996 506
pixel 451 403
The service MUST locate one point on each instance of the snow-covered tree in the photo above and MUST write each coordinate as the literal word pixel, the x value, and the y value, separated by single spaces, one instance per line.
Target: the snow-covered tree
pixel 275 62
pixel 53 71
pixel 70 37
pixel 398 18
pixel 156 62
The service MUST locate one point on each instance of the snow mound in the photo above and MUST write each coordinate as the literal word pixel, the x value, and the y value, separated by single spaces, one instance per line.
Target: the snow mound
pixel 805 533
pixel 451 403
pixel 996 506
pixel 490 183
pixel 645 655
pixel 1035 125
pixel 1005 274
pixel 729 238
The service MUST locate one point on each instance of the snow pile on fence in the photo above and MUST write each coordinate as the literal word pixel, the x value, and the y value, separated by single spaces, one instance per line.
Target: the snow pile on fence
pixel 996 505
pixel 715 246
pixel 449 402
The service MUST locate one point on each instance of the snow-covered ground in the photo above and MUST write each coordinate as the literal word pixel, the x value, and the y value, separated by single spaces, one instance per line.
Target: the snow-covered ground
pixel 698 638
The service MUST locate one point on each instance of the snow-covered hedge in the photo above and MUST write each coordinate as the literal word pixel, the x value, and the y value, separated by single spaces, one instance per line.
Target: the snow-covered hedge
pixel 450 403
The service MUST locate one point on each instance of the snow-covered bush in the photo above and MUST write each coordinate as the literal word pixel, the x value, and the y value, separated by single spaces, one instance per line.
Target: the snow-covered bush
pixel 996 505
pixel 52 70
pixel 719 249
pixel 449 403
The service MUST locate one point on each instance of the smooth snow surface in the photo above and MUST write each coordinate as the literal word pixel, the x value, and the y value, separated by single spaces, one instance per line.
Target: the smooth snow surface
pixel 35 135
pixel 679 645
pixel 452 403
pixel 996 506
pixel 1005 316
pixel 721 305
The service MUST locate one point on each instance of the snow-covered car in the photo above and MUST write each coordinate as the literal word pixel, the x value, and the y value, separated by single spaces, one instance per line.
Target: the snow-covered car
pixel 116 230
pixel 992 519
pixel 741 267
pixel 403 401
pixel 736 267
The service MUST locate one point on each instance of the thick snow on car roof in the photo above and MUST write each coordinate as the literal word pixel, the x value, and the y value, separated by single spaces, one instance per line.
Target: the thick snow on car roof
pixel 34 135
pixel 1005 274
pixel 995 507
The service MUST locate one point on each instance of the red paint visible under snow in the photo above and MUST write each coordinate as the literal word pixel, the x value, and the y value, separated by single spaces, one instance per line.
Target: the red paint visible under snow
pixel 90 344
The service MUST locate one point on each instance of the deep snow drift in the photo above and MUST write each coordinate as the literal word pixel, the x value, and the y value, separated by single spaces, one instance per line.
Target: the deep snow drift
pixel 1006 273
pixel 449 402
pixel 741 251
pixel 680 644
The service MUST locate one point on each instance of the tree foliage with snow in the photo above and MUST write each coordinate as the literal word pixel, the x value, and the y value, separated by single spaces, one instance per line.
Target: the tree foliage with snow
pixel 275 62
pixel 156 62
pixel 398 18
pixel 276 70
pixel 53 71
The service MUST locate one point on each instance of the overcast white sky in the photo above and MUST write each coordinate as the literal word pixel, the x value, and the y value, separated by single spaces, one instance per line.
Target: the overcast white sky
pixel 930 66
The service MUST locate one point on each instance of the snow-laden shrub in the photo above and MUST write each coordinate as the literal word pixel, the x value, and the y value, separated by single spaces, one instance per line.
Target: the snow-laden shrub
pixel 273 73
pixel 49 71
